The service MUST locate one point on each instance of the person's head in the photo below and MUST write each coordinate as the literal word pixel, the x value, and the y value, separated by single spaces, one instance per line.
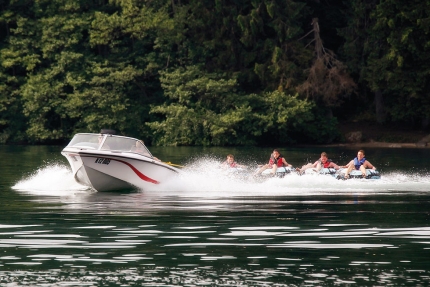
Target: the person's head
pixel 360 154
pixel 230 158
pixel 276 153
pixel 324 157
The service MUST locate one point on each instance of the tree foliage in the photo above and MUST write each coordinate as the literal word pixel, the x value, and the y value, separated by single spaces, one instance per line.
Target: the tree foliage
pixel 206 109
pixel 203 109
pixel 200 72
pixel 387 46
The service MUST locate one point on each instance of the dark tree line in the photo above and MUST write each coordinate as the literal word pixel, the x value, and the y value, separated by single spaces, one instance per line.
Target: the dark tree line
pixel 202 72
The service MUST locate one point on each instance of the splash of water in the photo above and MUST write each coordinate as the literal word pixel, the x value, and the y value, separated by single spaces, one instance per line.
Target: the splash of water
pixel 206 178
pixel 52 179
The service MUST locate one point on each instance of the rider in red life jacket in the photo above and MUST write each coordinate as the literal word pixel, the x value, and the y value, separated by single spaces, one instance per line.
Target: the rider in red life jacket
pixel 322 162
pixel 230 163
pixel 276 160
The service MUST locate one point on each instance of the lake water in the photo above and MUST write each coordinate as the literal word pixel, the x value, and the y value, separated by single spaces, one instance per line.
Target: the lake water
pixel 209 229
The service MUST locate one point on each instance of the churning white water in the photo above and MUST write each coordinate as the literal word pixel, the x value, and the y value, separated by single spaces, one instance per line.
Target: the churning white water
pixel 205 178
pixel 52 179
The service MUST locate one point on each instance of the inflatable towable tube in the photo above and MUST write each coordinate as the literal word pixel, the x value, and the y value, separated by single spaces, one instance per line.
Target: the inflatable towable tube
pixel 280 171
pixel 370 174
pixel 324 171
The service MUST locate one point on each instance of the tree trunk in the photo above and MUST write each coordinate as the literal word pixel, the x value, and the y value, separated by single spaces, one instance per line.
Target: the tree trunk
pixel 318 42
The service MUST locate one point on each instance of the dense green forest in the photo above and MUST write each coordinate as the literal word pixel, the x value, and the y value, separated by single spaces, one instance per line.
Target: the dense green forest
pixel 211 72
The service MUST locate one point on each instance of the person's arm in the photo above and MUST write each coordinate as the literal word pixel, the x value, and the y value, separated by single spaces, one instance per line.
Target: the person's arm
pixel 333 165
pixel 347 165
pixel 316 163
pixel 368 164
pixel 285 162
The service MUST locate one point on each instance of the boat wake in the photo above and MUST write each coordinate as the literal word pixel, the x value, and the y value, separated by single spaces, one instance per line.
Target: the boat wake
pixel 53 179
pixel 217 185
pixel 207 179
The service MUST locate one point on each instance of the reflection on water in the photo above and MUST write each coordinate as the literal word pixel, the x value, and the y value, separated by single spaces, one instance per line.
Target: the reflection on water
pixel 245 247
pixel 208 228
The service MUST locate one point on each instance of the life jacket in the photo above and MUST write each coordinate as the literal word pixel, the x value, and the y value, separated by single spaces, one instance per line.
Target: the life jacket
pixel 359 163
pixel 233 164
pixel 277 161
pixel 327 163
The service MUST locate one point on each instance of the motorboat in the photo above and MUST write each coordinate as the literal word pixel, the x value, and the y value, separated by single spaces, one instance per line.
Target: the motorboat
pixel 107 162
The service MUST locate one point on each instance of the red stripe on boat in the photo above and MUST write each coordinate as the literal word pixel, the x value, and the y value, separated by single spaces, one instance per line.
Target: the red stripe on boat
pixel 139 174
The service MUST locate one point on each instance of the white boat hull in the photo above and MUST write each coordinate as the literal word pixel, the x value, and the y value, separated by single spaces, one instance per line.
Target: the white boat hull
pixel 98 180
pixel 106 172
pixel 113 164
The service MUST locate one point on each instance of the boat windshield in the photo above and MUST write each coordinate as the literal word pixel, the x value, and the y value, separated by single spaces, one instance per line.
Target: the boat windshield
pixel 89 141
pixel 126 145
pixel 109 142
